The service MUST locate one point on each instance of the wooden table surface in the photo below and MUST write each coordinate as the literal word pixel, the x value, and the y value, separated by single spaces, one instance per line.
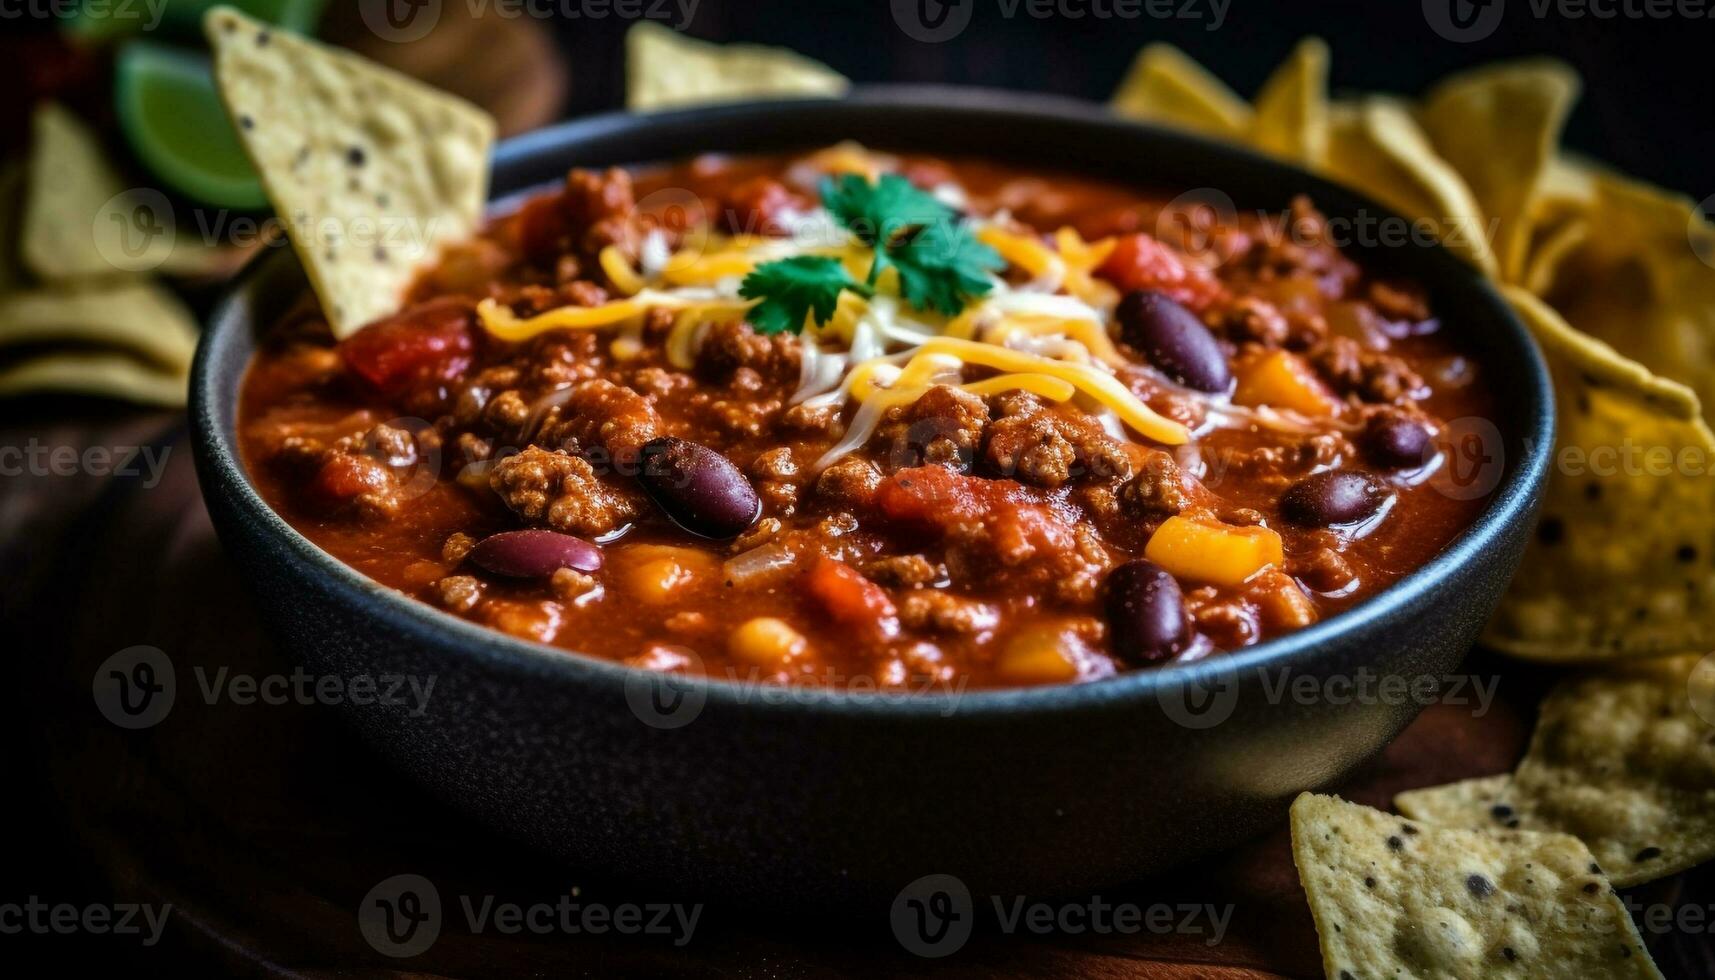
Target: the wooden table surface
pixel 265 826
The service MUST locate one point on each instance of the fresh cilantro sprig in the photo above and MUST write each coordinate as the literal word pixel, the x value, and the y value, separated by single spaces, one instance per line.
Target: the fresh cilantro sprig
pixel 941 264
pixel 883 213
pixel 795 288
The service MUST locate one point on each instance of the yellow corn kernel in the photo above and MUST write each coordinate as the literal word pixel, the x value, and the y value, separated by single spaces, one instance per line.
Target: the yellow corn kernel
pixel 655 573
pixel 765 642
pixel 1043 653
pixel 1282 380
pixel 1217 553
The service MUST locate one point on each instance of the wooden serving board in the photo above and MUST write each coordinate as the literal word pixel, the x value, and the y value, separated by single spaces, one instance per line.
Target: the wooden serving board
pixel 266 826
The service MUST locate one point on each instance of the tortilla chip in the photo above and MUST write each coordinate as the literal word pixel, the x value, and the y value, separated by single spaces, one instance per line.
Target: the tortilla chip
pixel 11 208
pixel 69 182
pixel 1165 86
pixel 1292 106
pixel 1624 760
pixel 369 170
pixel 1400 900
pixel 1623 563
pixel 1499 127
pixel 1474 804
pixel 102 374
pixel 135 315
pixel 1641 285
pixel 1377 147
pixel 665 69
pixel 80 221
pixel 1550 250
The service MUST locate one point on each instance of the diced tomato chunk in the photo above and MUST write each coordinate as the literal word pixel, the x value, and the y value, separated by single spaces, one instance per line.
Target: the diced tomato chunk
pixel 759 206
pixel 344 477
pixel 851 599
pixel 1141 262
pixel 428 343
pixel 1017 527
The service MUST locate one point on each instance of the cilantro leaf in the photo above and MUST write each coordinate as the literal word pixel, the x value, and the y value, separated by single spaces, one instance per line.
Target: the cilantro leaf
pixel 942 266
pixel 879 213
pixel 794 288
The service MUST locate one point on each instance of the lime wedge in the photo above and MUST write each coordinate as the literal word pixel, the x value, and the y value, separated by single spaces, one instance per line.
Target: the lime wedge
pixel 177 127
pixel 297 16
pixel 97 22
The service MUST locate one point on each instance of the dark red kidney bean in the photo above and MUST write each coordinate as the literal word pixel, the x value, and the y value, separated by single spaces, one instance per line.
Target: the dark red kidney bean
pixel 1395 441
pixel 1173 339
pixel 1146 613
pixel 698 488
pixel 1333 497
pixel 534 554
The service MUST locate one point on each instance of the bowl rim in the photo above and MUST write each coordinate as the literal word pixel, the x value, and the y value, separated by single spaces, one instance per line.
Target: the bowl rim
pixel 1513 500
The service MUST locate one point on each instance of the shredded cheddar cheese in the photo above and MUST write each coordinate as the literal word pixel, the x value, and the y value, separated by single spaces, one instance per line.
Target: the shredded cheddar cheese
pixel 1048 336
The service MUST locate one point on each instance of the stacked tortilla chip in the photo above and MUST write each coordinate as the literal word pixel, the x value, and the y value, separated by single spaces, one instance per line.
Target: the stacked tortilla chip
pixel 80 311
pixel 1616 279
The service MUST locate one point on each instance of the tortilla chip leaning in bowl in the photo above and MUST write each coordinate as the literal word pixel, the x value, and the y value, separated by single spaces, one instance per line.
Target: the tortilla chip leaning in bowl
pixel 369 170
pixel 1623 759
pixel 1398 899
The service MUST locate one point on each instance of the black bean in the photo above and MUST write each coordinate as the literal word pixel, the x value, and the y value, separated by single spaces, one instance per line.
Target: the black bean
pixel 698 488
pixel 1173 339
pixel 1333 497
pixel 1146 613
pixel 534 554
pixel 1395 441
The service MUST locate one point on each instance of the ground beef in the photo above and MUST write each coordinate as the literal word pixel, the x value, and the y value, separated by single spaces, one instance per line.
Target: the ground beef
pixel 1398 301
pixel 600 415
pixel 459 593
pixel 728 346
pixel 934 611
pixel 944 427
pixel 813 419
pixel 776 478
pixel 1036 445
pixel 605 203
pixel 850 483
pixel 562 491
pixel 1302 248
pixel 1371 375
pixel 904 571
pixel 1254 320
pixel 1324 570
pixel 1157 492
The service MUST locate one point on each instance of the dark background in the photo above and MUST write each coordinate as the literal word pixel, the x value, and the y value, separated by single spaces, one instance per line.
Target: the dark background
pixel 1649 84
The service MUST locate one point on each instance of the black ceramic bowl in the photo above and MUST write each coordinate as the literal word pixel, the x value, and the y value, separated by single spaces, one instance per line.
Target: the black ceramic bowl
pixel 731 789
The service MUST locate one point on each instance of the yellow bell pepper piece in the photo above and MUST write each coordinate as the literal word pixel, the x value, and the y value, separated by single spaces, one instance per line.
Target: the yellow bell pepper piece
pixel 1279 379
pixel 1217 553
